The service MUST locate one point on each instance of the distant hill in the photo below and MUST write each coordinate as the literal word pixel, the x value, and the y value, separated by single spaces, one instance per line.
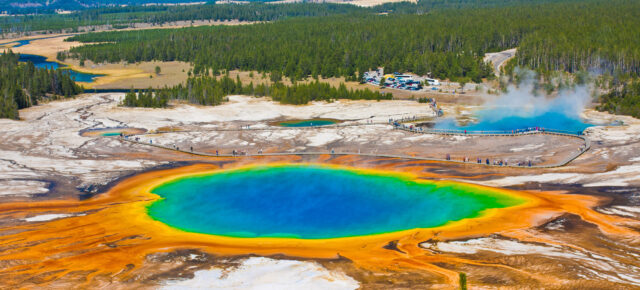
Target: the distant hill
pixel 50 6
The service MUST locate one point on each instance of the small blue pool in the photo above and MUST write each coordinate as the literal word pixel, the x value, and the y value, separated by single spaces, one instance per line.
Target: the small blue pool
pixel 308 123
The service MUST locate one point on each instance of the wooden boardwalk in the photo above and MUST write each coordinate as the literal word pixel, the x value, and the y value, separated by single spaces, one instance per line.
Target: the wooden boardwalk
pixel 569 159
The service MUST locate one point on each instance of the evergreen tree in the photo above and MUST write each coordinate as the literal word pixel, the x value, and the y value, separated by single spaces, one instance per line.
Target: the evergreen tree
pixel 23 85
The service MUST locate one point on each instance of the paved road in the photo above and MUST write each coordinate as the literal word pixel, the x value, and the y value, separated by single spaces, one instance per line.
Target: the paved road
pixel 499 58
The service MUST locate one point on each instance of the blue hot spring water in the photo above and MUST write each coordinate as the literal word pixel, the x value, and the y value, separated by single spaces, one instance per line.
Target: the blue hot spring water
pixel 508 119
pixel 315 202
pixel 308 123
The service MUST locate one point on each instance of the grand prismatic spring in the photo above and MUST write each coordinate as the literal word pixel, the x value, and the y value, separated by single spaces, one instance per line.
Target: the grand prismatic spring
pixel 378 219
pixel 315 202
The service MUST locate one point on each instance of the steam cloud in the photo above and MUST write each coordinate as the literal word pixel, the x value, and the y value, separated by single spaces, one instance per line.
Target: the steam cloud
pixel 524 107
pixel 523 102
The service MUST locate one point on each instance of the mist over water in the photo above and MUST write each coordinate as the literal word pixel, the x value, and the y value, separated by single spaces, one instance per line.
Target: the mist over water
pixel 520 108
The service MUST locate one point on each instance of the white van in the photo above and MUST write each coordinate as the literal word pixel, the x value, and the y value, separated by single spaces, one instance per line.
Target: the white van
pixel 433 82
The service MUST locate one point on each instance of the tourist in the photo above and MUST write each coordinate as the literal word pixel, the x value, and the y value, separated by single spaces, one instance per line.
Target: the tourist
pixel 217 153
pixel 488 162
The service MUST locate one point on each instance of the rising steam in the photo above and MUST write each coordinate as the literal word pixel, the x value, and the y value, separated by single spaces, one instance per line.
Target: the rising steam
pixel 524 106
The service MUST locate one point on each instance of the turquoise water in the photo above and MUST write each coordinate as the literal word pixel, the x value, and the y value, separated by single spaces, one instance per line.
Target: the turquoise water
pixel 507 119
pixel 109 131
pixel 42 62
pixel 111 134
pixel 313 202
pixel 308 123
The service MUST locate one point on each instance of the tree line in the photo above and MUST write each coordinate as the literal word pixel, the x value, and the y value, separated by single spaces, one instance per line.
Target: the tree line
pixel 449 43
pixel 331 46
pixel 49 7
pixel 22 85
pixel 146 98
pixel 212 91
pixel 598 36
pixel 303 93
pixel 123 16
pixel 624 99
pixel 120 17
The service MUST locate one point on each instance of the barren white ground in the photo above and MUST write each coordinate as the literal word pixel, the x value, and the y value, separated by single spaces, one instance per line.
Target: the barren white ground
pixel 265 273
pixel 47 143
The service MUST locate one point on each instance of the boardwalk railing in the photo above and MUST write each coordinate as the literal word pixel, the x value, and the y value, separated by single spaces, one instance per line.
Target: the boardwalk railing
pixel 515 132
pixel 570 158
pixel 519 132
